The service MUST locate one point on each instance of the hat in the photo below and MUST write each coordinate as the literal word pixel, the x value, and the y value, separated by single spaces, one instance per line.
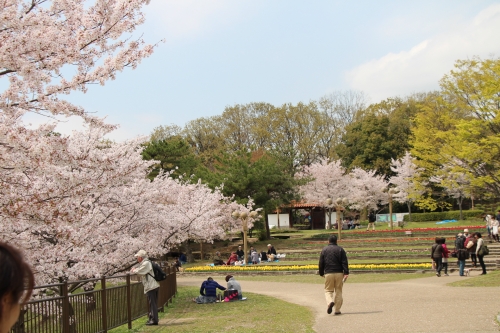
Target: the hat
pixel 228 277
pixel 459 234
pixel 466 230
pixel 141 253
pixel 269 245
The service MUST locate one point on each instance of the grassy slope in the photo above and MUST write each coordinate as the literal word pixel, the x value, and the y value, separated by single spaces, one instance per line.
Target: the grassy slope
pixel 492 279
pixel 249 316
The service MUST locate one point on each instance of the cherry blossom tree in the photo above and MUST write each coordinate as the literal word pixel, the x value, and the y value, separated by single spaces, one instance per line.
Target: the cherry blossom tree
pixel 456 184
pixel 326 180
pixel 406 180
pixel 366 190
pixel 81 208
pixel 79 205
pixel 53 47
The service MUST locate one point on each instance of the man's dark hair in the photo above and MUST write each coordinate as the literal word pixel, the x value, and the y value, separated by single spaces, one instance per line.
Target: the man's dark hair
pixel 332 239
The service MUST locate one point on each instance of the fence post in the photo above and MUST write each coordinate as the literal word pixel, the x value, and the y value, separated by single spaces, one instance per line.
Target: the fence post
pixel 65 307
pixel 129 303
pixel 104 305
pixel 175 286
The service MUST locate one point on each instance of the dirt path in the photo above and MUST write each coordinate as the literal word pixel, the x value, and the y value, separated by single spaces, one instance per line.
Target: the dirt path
pixel 418 305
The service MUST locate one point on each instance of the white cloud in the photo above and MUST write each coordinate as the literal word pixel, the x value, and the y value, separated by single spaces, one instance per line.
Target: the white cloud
pixel 181 19
pixel 421 67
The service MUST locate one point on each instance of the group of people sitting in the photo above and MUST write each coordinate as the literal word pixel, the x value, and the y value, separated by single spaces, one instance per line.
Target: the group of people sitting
pixel 208 291
pixel 347 224
pixel 254 257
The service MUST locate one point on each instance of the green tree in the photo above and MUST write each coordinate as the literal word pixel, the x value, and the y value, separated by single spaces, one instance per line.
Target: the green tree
pixel 256 174
pixel 461 126
pixel 379 134
pixel 173 154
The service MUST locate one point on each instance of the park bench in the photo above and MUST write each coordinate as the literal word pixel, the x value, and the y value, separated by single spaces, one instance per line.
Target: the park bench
pixel 408 233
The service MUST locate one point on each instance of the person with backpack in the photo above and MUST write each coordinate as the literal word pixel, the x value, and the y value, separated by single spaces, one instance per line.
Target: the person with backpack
pixel 151 287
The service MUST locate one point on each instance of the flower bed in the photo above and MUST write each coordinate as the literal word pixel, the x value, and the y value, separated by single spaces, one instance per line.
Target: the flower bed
pixel 398 232
pixel 251 268
pixel 418 230
pixel 279 268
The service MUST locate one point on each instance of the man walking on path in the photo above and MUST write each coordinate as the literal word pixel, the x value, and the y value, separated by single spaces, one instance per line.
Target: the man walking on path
pixel 334 268
pixel 151 287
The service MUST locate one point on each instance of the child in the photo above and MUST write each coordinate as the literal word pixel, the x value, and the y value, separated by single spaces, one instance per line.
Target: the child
pixel 446 254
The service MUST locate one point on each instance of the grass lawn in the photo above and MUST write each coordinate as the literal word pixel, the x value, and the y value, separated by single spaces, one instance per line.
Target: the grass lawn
pixel 185 316
pixel 353 278
pixel 492 279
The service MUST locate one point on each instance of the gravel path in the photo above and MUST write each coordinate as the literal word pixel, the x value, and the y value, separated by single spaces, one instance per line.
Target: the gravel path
pixel 417 305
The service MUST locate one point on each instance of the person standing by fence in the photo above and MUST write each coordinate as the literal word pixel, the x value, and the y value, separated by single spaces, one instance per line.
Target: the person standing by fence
pixel 16 285
pixel 151 287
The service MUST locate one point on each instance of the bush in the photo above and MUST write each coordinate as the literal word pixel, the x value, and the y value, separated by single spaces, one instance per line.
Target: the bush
pixel 440 216
pixel 283 231
pixel 262 235
pixel 302 226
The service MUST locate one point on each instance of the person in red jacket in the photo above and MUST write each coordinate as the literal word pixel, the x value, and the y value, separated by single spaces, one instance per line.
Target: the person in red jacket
pixel 232 259
pixel 446 255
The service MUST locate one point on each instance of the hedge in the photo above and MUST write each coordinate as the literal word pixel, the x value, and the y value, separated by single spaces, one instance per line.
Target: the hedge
pixel 440 216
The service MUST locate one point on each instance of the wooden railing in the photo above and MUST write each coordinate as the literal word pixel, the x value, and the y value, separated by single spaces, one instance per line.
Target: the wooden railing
pixel 117 301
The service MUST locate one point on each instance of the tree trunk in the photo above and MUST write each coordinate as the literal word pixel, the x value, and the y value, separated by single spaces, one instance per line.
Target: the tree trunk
pixel 189 252
pixel 460 206
pixel 409 210
pixel 268 232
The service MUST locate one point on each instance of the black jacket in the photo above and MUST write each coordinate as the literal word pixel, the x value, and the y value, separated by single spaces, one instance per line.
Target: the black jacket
pixel 333 259
pixel 271 250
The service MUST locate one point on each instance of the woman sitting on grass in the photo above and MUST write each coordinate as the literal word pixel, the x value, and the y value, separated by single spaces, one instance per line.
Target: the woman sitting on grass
pixel 232 259
pixel 232 284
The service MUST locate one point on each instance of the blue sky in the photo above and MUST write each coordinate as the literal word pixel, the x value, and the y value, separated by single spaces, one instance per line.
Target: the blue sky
pixel 219 52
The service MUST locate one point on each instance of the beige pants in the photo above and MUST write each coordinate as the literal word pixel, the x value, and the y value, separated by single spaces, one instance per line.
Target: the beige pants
pixel 333 284
pixel 371 224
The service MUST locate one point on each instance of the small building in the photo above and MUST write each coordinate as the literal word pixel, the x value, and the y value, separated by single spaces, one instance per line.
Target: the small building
pixel 315 215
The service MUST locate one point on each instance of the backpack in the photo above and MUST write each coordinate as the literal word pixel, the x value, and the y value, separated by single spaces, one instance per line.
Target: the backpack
pixel 159 274
pixel 263 256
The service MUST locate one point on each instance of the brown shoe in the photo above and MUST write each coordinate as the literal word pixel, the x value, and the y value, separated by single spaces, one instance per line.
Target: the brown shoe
pixel 337 313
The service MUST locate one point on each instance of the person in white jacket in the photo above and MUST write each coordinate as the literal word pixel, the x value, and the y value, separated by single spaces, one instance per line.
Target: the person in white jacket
pixel 494 230
pixel 151 287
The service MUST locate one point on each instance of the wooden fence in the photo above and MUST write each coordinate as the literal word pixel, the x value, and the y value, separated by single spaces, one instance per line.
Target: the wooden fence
pixel 118 300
